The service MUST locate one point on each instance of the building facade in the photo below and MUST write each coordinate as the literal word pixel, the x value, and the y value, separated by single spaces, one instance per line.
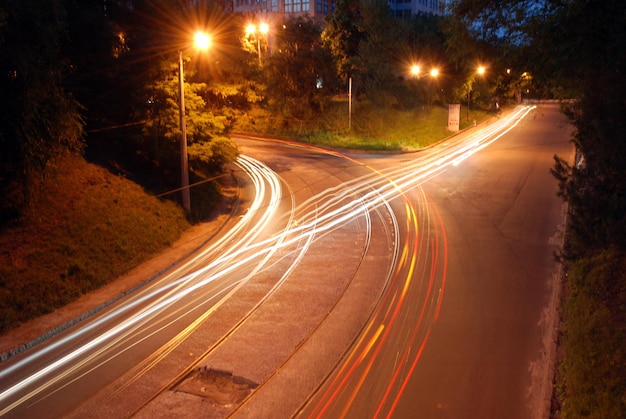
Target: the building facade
pixel 404 9
pixel 283 9
pixel 319 9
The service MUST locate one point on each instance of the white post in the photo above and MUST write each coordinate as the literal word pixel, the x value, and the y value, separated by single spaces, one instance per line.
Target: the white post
pixel 350 103
pixel 184 169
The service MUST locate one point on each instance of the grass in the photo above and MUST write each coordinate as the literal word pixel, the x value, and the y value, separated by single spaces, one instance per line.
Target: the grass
pixel 86 228
pixel 592 369
pixel 371 127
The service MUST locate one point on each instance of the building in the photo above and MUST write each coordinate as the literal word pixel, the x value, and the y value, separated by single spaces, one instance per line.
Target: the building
pixel 318 9
pixel 268 9
pixel 404 9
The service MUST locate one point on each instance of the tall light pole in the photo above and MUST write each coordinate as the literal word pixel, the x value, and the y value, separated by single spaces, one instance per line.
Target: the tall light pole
pixel 251 30
pixel 350 103
pixel 416 72
pixel 480 71
pixel 201 41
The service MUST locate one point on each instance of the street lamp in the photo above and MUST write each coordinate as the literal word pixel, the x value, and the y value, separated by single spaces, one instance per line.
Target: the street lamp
pixel 415 71
pixel 202 42
pixel 480 71
pixel 251 30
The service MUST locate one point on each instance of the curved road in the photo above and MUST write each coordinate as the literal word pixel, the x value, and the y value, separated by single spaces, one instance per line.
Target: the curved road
pixel 361 286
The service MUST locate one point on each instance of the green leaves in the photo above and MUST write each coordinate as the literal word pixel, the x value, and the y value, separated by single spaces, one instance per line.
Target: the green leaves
pixel 209 148
pixel 299 73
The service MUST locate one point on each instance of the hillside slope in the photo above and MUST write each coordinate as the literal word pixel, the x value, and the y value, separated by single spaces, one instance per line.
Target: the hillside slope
pixel 86 228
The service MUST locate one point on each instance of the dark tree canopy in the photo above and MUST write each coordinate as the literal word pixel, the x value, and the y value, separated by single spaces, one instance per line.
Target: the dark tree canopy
pixel 39 118
pixel 299 72
pixel 344 35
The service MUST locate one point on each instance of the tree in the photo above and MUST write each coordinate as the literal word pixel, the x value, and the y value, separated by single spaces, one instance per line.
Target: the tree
pixel 595 190
pixel 207 134
pixel 344 36
pixel 39 119
pixel 126 75
pixel 377 51
pixel 300 74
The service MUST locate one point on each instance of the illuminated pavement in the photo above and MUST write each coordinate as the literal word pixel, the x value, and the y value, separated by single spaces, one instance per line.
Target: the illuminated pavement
pixel 333 266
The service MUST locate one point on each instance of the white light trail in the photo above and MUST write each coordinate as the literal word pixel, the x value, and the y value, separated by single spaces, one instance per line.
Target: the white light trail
pixel 332 208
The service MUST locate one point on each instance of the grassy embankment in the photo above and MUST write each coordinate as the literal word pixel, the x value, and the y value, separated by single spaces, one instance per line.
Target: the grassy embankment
pixel 88 226
pixel 372 127
pixel 591 378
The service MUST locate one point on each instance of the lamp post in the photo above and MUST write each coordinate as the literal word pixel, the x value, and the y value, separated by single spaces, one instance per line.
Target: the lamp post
pixel 416 72
pixel 201 41
pixel 251 29
pixel 480 71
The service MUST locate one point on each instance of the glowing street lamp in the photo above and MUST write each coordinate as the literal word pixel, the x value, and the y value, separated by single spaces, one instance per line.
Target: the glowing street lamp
pixel 251 30
pixel 434 72
pixel 480 71
pixel 202 41
pixel 264 28
pixel 415 71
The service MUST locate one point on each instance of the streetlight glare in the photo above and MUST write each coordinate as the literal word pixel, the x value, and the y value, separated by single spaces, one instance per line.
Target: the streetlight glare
pixel 434 72
pixel 415 70
pixel 264 28
pixel 202 40
pixel 250 29
pixel 481 70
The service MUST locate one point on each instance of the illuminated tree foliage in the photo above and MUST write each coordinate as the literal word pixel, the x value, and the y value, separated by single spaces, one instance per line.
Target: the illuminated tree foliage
pixel 209 147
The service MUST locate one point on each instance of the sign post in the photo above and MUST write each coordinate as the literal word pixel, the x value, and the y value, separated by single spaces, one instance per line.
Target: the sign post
pixel 454 115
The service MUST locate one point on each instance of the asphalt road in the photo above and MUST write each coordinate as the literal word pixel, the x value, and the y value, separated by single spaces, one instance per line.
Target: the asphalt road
pixel 476 340
pixel 416 285
pixel 488 354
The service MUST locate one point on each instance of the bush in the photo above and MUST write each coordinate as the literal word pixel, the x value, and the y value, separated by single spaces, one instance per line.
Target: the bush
pixel 593 367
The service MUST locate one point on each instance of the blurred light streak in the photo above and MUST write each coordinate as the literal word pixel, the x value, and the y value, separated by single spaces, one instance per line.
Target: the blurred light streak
pixel 332 208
